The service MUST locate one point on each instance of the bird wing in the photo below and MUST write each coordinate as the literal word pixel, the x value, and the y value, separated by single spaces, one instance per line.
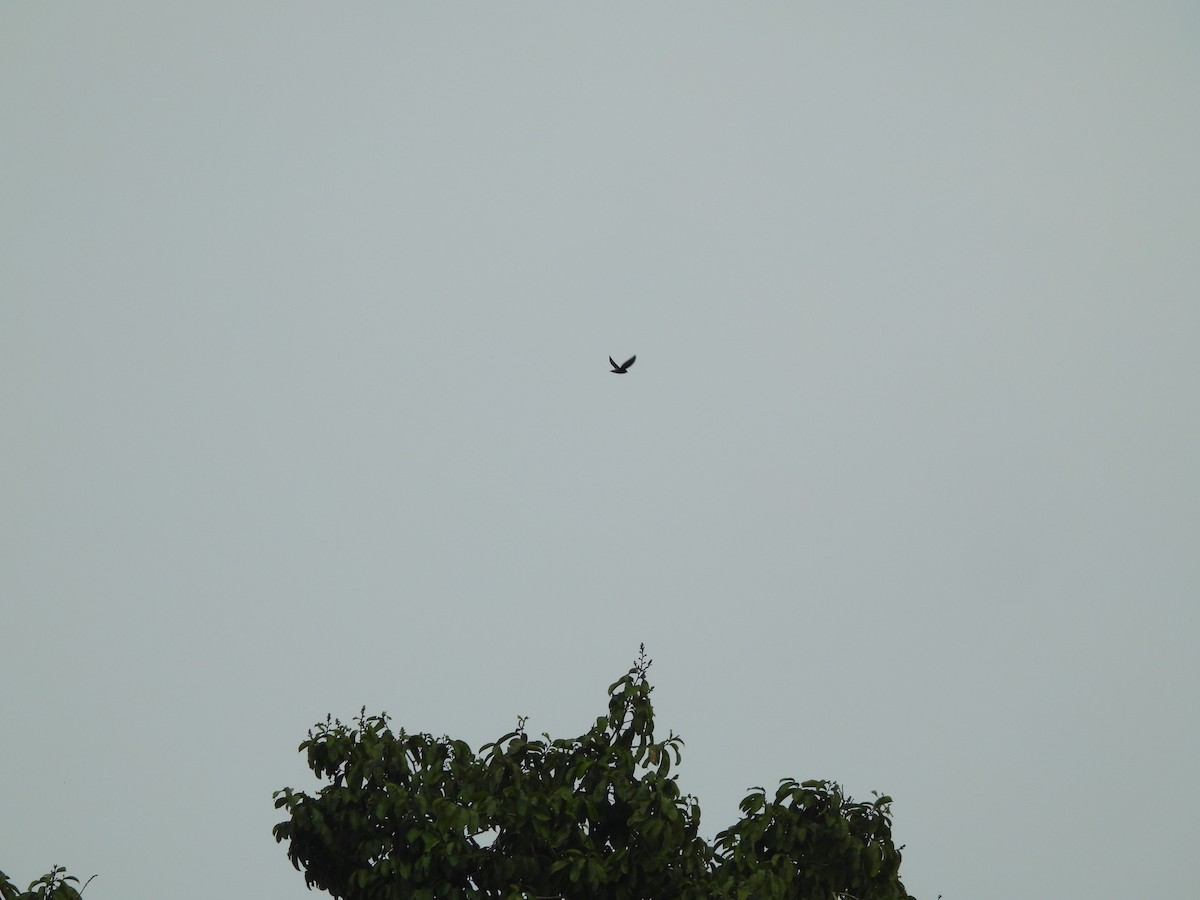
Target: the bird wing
pixel 614 365
pixel 628 362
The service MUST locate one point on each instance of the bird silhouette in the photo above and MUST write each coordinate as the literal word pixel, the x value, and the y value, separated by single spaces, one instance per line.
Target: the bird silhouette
pixel 623 367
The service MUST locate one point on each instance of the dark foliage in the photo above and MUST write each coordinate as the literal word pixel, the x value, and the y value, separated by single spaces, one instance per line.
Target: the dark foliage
pixel 54 885
pixel 413 817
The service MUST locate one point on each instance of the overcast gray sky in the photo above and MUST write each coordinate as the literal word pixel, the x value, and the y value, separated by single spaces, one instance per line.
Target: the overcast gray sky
pixel 305 311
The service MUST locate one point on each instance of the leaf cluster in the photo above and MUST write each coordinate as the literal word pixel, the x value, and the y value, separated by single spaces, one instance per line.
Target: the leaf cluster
pixel 413 817
pixel 54 885
pixel 810 840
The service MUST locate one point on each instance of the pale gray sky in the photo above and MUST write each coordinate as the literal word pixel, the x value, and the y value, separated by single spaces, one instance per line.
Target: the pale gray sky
pixel 305 311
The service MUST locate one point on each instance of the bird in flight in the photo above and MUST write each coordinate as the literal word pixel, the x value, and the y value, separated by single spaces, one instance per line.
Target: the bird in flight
pixel 623 367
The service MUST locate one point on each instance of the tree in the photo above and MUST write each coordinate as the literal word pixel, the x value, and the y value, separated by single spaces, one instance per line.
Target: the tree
pixel 51 886
pixel 413 817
